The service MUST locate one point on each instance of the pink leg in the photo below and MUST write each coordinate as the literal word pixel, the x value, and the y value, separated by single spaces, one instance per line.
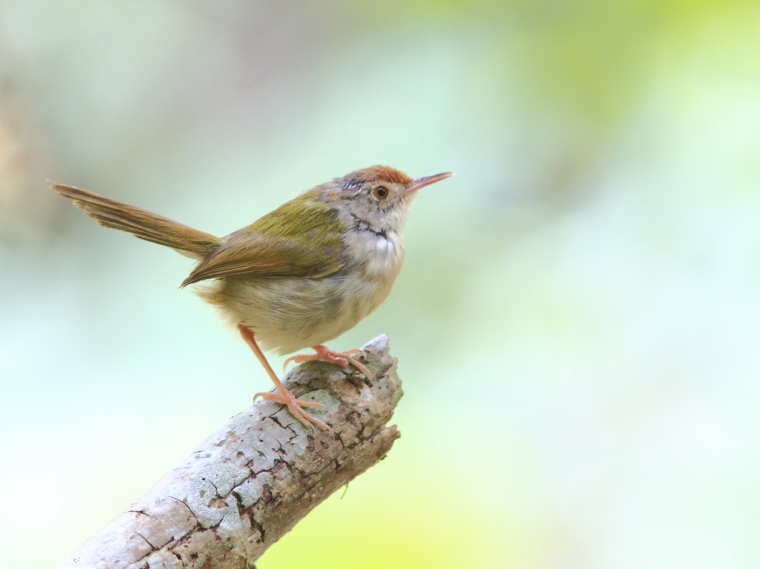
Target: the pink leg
pixel 325 355
pixel 285 397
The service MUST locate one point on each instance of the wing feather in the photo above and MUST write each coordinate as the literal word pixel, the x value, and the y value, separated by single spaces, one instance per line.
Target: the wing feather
pixel 280 244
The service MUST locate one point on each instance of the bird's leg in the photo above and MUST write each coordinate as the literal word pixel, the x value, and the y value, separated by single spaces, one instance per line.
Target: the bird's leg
pixel 285 397
pixel 325 355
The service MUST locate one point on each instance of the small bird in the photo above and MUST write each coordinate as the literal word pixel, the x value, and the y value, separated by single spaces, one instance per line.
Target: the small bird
pixel 299 276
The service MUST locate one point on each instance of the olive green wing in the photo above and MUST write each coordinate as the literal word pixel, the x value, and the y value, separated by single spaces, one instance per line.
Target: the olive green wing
pixel 301 238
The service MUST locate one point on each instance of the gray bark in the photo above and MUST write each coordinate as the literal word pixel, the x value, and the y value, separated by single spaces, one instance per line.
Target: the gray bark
pixel 256 477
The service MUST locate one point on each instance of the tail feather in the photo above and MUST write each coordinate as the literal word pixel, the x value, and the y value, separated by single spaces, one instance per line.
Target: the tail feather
pixel 140 223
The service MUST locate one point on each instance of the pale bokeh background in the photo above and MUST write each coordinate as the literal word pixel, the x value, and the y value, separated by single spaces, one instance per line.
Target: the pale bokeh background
pixel 578 320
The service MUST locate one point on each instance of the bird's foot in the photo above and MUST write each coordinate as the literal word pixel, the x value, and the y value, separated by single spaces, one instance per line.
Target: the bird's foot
pixel 325 355
pixel 283 397
pixel 295 407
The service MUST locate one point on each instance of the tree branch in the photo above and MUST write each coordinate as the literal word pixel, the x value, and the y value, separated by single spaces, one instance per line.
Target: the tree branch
pixel 256 477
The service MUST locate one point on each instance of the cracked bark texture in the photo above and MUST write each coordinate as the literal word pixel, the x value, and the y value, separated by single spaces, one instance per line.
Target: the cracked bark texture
pixel 251 481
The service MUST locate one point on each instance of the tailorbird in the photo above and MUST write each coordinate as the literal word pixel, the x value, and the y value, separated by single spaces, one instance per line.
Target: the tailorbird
pixel 299 276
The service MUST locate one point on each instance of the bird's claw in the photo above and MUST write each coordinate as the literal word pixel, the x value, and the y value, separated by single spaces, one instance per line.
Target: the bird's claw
pixel 295 407
pixel 325 355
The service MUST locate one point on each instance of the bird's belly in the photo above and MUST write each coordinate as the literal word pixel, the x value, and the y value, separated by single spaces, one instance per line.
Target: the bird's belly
pixel 289 313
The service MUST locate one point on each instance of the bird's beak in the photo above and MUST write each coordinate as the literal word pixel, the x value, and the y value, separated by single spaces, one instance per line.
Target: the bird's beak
pixel 418 183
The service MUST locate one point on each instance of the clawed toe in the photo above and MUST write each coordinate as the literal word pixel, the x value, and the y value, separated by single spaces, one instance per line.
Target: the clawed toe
pixel 325 355
pixel 277 398
pixel 295 407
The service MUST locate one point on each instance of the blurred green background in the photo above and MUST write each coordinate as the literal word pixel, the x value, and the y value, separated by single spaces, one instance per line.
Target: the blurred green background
pixel 577 321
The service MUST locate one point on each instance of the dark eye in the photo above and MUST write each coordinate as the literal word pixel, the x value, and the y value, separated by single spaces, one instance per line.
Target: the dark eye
pixel 380 192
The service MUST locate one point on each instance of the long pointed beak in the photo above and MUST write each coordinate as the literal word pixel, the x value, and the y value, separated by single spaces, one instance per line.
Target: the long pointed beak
pixel 418 183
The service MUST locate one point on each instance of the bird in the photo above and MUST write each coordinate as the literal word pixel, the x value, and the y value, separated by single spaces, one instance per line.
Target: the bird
pixel 299 276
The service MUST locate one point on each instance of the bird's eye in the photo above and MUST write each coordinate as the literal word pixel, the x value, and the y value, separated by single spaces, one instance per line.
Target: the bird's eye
pixel 380 192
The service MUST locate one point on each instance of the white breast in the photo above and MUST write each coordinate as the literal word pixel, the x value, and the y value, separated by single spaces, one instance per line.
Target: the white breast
pixel 377 256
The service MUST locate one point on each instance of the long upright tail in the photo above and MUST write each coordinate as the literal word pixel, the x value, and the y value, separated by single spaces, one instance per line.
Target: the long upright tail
pixel 140 223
